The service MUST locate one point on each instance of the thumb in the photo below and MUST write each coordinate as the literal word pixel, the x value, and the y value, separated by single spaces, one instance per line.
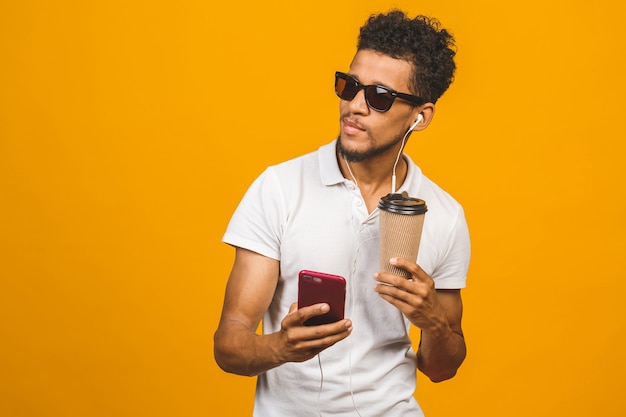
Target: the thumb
pixel 293 308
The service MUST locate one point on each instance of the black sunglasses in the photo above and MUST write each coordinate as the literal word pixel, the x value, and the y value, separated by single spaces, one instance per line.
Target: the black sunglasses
pixel 377 97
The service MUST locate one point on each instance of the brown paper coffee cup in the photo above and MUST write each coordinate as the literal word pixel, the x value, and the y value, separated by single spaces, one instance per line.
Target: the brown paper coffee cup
pixel 401 222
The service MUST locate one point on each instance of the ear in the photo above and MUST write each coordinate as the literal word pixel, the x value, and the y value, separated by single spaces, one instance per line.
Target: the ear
pixel 427 111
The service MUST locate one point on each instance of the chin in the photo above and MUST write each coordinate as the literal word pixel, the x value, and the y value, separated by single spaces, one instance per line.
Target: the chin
pixel 352 154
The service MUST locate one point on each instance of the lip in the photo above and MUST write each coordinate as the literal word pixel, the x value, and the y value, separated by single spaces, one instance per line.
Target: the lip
pixel 351 126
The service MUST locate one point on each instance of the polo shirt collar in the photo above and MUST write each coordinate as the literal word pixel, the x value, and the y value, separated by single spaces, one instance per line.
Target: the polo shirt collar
pixel 331 174
pixel 329 168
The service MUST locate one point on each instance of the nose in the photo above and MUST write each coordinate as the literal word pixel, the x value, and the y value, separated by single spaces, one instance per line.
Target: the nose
pixel 358 105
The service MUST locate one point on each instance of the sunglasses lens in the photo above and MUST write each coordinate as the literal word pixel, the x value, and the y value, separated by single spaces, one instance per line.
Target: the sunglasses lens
pixel 378 98
pixel 346 88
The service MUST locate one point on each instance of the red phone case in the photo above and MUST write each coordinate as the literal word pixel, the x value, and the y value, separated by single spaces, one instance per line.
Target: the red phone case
pixel 318 287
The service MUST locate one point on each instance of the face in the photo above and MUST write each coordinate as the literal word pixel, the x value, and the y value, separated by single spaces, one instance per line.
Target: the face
pixel 367 133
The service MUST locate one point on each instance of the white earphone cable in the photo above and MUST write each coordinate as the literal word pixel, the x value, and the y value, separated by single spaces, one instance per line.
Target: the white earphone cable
pixel 319 394
pixel 393 174
pixel 350 171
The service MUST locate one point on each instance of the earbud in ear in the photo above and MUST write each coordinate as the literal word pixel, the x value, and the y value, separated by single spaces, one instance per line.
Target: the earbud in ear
pixel 419 119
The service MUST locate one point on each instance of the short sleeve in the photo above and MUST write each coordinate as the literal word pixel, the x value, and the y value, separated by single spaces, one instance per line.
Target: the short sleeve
pixel 257 222
pixel 451 271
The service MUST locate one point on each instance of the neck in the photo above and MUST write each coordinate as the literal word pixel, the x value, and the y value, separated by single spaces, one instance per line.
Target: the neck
pixel 373 172
pixel 374 177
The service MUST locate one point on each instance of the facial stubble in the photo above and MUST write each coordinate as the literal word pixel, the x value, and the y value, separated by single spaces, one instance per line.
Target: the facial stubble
pixel 370 152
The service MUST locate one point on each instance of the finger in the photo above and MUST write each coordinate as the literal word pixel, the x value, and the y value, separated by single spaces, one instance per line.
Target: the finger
pixel 417 273
pixel 324 335
pixel 308 338
pixel 387 281
pixel 310 348
pixel 401 290
pixel 398 302
pixel 390 280
pixel 303 314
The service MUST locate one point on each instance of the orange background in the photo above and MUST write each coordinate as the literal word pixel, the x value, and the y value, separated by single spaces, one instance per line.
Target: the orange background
pixel 129 130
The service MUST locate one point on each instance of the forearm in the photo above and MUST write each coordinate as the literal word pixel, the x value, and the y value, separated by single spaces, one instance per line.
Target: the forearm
pixel 441 353
pixel 239 350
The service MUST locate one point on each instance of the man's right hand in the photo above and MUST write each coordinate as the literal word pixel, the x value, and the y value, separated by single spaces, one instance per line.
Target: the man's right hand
pixel 299 343
pixel 239 349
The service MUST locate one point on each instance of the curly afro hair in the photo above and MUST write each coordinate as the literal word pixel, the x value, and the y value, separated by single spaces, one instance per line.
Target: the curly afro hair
pixel 421 41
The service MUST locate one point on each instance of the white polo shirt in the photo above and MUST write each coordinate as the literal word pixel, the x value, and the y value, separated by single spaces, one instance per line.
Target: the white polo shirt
pixel 305 214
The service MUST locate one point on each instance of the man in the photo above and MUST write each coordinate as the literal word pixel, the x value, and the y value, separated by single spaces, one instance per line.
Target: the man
pixel 319 212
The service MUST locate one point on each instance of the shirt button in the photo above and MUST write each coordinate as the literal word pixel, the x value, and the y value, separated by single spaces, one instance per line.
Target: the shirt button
pixel 358 202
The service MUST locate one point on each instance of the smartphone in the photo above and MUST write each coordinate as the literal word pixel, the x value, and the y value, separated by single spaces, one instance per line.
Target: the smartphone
pixel 318 287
